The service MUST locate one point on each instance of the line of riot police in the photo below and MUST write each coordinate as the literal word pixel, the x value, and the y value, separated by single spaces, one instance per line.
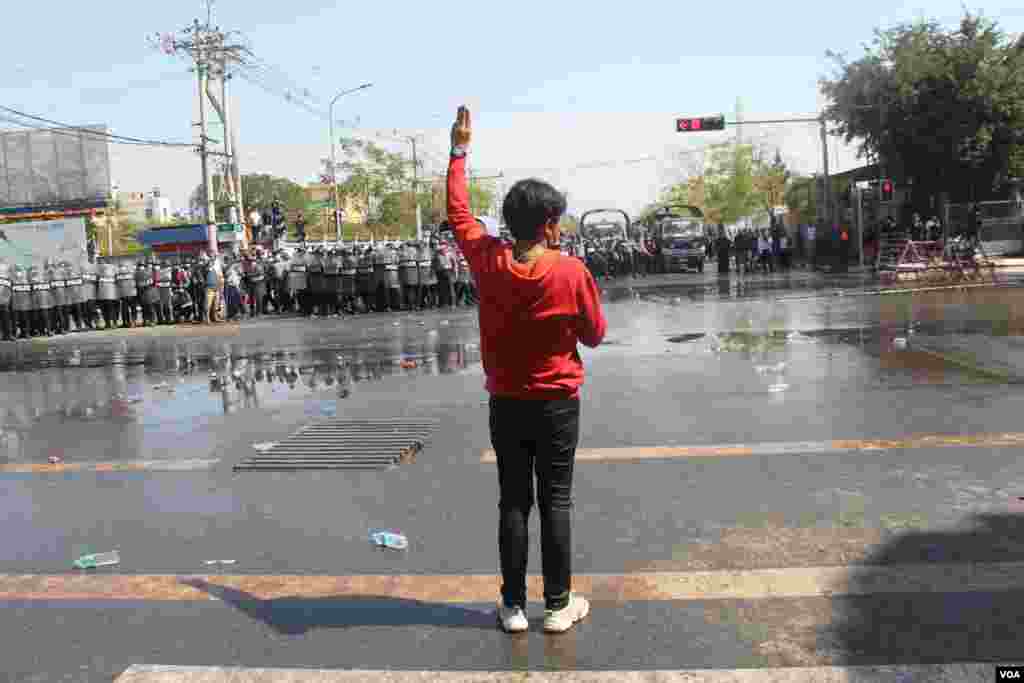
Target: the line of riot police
pixel 389 276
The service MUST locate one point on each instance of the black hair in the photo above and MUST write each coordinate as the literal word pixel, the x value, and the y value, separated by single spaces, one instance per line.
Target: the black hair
pixel 530 204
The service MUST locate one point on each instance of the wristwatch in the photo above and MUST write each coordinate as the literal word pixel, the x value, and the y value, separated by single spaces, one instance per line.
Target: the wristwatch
pixel 459 150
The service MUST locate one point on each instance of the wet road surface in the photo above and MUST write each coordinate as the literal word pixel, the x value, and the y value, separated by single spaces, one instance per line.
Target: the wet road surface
pixel 786 478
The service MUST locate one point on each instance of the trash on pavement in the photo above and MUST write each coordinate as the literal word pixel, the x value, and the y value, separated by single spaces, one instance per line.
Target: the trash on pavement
pixel 55 460
pixel 389 539
pixel 445 322
pixel 98 560
pixel 777 388
pixel 264 446
pixel 212 562
pixel 900 342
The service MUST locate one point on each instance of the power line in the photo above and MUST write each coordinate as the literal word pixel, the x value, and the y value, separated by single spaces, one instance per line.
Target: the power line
pixel 124 139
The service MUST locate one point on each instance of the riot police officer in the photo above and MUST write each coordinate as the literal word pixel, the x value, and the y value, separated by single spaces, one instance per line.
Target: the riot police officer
pixel 349 268
pixel 282 301
pixel 332 282
pixel 298 280
pixel 90 293
pixel 5 300
pixel 42 301
pixel 444 265
pixel 76 295
pixel 428 277
pixel 315 274
pixel 256 279
pixel 126 292
pixel 164 283
pixel 380 278
pixel 107 295
pixel 394 285
pixel 464 280
pixel 58 287
pixel 364 279
pixel 409 275
pixel 145 292
pixel 21 301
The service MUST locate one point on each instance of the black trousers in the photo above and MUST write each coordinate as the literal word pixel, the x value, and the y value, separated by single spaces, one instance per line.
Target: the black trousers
pixel 535 437
pixel 410 295
pixel 6 322
pixel 445 289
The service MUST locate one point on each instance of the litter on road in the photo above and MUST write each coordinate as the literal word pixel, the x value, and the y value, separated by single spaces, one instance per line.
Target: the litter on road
pixel 98 560
pixel 777 388
pixel 389 539
pixel 213 562
pixel 264 446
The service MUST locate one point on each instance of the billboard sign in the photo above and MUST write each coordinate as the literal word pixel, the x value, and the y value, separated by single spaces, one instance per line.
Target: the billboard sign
pixel 33 242
pixel 53 166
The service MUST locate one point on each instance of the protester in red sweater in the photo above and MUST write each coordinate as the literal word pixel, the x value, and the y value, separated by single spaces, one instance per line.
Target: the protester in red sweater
pixel 536 304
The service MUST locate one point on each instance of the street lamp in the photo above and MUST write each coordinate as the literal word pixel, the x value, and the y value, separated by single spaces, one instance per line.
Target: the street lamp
pixel 334 165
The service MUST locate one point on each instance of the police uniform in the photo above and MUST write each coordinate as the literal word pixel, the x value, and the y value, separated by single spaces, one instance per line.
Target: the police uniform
pixel 279 267
pixel 463 281
pixel 107 293
pixel 380 278
pixel 364 279
pixel 332 282
pixel 391 279
pixel 6 292
pixel 21 301
pixel 409 275
pixel 180 298
pixel 42 301
pixel 58 286
pixel 256 278
pixel 297 280
pixel 76 295
pixel 444 266
pixel 143 285
pixel 90 293
pixel 126 292
pixel 164 284
pixel 349 268
pixel 316 283
pixel 428 277
pixel 199 291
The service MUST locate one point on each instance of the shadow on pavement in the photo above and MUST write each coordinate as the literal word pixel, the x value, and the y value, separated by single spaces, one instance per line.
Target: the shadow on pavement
pixel 954 623
pixel 296 616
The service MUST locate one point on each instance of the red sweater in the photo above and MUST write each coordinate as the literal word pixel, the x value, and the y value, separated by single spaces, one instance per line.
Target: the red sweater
pixel 531 315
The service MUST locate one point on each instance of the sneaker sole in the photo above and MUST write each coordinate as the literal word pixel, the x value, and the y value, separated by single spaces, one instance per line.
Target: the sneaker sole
pixel 501 625
pixel 575 621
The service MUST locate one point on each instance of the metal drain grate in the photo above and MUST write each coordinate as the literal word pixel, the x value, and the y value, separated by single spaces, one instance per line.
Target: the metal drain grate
pixel 335 444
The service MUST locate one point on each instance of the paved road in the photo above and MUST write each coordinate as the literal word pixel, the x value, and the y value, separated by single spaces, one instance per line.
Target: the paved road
pixel 773 486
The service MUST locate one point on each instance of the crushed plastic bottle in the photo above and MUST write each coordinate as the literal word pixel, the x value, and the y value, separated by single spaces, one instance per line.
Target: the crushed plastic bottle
pixel 392 539
pixel 98 560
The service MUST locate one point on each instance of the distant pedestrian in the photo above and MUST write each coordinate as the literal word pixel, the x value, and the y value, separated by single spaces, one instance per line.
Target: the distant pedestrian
pixel 536 305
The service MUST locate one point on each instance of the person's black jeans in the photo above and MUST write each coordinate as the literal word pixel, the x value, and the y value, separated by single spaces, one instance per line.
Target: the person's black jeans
pixel 535 436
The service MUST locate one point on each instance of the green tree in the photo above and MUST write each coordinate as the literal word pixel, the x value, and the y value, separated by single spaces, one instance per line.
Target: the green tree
pixel 259 190
pixel 802 197
pixel 945 108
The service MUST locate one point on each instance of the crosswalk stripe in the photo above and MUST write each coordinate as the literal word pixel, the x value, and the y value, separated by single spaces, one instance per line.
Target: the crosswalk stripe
pixel 933 673
pixel 793 582
pixel 1012 439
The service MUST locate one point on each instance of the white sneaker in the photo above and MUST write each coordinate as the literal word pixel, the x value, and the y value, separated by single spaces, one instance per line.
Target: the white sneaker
pixel 513 619
pixel 559 621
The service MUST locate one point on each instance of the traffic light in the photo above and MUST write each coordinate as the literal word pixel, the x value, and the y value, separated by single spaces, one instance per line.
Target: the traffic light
pixel 886 190
pixel 700 123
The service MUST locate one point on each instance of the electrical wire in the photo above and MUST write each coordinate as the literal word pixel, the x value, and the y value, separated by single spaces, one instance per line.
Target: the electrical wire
pixel 87 131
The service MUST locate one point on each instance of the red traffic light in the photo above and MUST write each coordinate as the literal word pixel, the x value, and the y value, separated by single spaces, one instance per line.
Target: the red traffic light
pixel 700 123
pixel 887 186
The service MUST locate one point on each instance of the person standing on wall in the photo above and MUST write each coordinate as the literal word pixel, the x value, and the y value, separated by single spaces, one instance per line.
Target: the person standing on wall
pixel 536 305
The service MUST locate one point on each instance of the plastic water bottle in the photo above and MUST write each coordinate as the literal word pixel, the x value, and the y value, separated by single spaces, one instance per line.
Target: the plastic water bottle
pixel 98 560
pixel 389 539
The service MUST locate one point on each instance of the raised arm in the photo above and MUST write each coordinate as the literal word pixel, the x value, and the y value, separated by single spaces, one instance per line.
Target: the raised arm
pixel 469 234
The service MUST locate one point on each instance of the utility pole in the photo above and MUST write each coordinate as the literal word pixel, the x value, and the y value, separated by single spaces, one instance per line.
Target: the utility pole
pixel 826 195
pixel 202 69
pixel 415 194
